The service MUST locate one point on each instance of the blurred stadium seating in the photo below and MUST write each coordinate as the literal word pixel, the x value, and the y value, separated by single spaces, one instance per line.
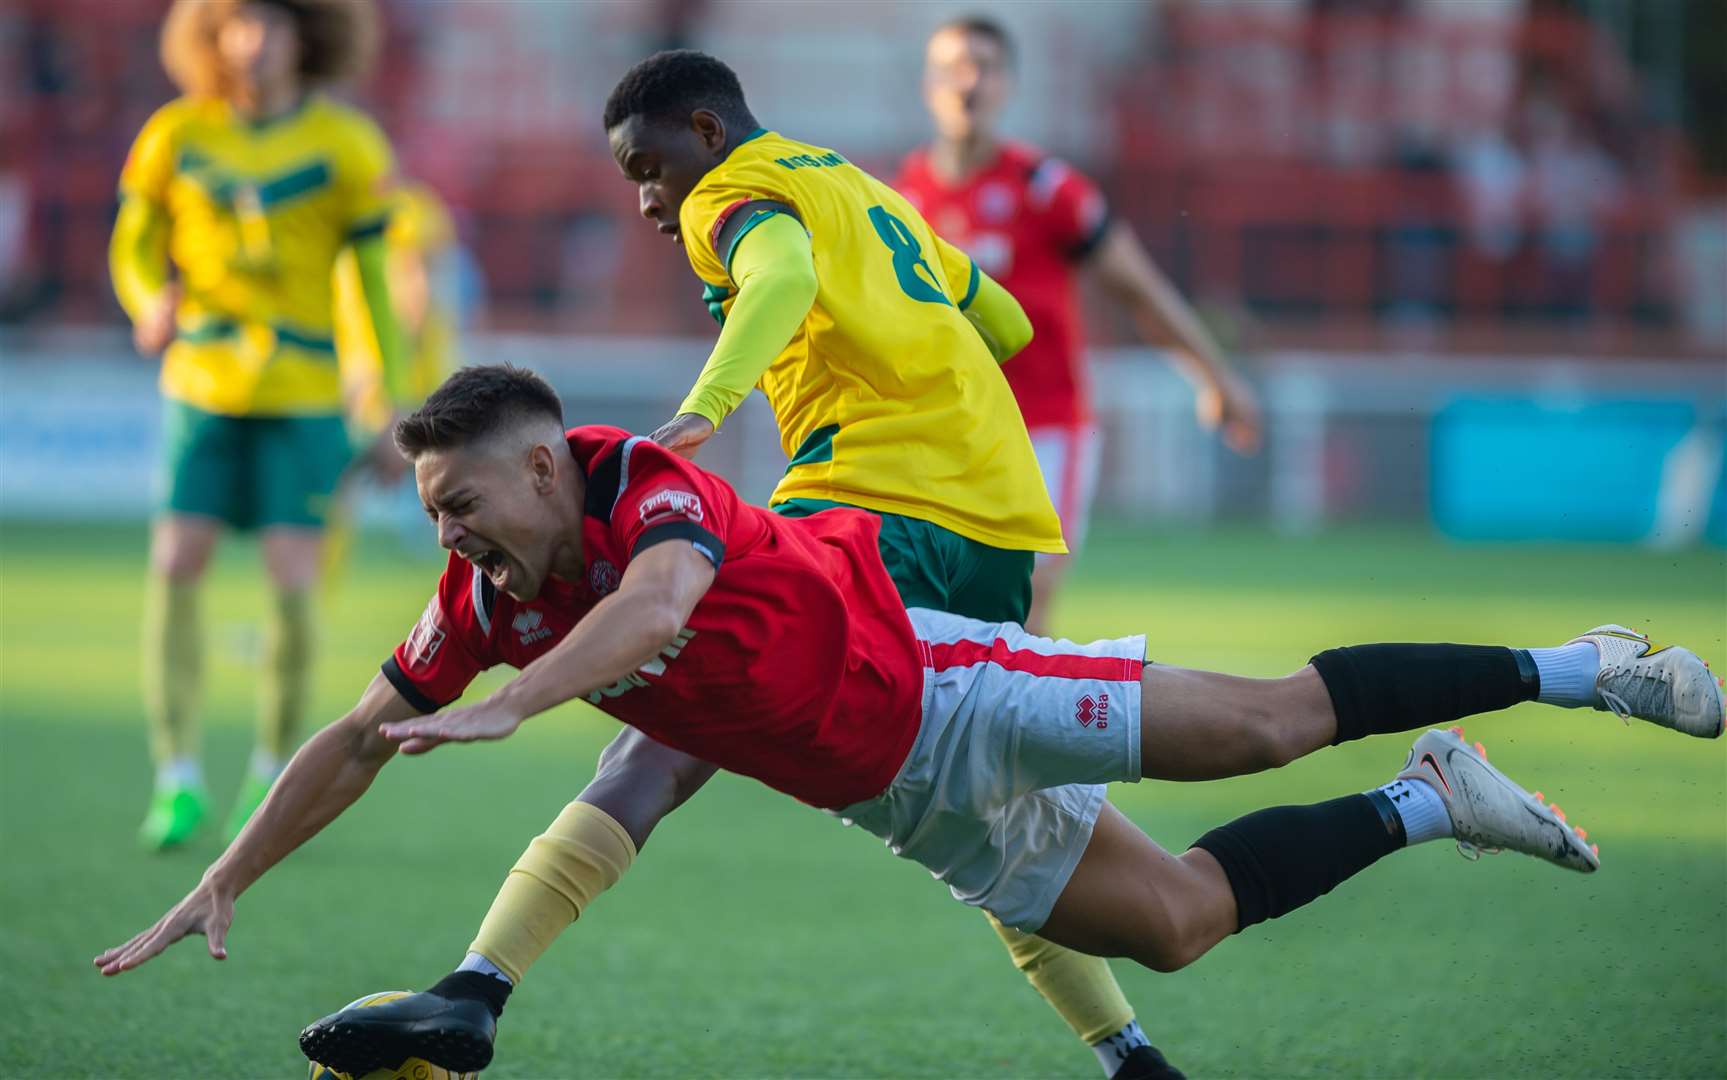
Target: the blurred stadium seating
pixel 1489 177
pixel 1350 190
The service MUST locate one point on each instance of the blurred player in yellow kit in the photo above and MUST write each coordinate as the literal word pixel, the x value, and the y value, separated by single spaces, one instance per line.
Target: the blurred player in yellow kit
pixel 417 243
pixel 236 200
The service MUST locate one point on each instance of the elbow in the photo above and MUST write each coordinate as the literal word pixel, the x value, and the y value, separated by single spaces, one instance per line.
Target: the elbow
pixel 1018 337
pixel 664 621
pixel 365 745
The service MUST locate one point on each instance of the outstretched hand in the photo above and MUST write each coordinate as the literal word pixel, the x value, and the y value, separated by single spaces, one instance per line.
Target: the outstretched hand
pixel 205 910
pixel 478 722
pixel 684 434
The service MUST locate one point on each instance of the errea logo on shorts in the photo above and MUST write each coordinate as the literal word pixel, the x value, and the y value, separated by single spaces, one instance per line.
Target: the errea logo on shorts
pixel 1091 710
pixel 663 505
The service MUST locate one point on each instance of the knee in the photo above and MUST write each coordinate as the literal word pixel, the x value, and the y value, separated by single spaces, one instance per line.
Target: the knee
pixel 1165 940
pixel 179 560
pixel 1266 737
pixel 629 752
pixel 293 562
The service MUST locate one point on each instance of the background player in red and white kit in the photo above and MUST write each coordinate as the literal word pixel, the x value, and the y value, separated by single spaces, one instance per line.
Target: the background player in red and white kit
pixel 1033 222
pixel 610 569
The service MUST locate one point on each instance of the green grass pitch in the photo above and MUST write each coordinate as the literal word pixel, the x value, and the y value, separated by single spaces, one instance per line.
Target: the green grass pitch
pixel 758 938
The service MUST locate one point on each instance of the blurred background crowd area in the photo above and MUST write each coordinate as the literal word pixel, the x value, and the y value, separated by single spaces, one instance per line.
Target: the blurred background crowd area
pixel 1466 175
pixel 1441 236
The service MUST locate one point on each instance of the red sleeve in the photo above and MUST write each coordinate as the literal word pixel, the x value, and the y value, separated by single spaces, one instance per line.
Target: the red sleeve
pixel 449 645
pixel 663 497
pixel 908 181
pixel 1074 206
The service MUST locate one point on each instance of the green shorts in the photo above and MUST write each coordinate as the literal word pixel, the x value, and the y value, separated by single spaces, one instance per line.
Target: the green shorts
pixel 252 472
pixel 935 568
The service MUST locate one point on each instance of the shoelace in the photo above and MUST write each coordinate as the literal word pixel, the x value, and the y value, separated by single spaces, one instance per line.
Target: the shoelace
pixel 1647 695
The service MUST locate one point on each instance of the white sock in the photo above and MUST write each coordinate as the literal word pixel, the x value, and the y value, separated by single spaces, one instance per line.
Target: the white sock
pixel 180 772
pixel 475 962
pixel 265 765
pixel 1568 674
pixel 1422 810
pixel 1112 1050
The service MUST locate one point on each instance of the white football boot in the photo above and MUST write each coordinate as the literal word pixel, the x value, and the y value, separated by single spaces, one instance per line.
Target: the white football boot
pixel 1663 684
pixel 1490 813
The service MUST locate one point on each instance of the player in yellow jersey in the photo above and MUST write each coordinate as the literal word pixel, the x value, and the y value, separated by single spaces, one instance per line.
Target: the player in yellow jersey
pixel 235 201
pixel 877 343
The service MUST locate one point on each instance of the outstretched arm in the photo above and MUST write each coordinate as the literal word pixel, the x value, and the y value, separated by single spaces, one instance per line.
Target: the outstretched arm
pixel 333 769
pixel 1127 273
pixel 773 266
pixel 627 629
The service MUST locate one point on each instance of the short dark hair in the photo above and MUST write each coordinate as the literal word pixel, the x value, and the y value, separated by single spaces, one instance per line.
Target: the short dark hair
pixel 673 84
pixel 474 403
pixel 986 27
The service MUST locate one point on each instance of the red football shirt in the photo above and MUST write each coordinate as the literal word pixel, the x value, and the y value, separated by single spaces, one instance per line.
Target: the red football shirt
pixel 1028 220
pixel 798 666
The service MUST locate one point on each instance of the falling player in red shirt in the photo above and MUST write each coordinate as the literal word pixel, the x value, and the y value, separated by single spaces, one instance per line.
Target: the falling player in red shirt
pixel 1033 222
pixel 608 568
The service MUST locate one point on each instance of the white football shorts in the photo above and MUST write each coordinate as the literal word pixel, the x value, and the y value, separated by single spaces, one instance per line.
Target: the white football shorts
pixel 1006 778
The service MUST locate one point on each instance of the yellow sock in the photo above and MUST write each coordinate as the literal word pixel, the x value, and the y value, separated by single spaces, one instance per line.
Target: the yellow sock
pixel 173 667
pixel 1081 988
pixel 287 672
pixel 580 855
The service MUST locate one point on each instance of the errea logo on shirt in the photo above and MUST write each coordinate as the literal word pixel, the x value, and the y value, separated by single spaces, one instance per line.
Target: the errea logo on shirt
pixel 528 625
pixel 666 505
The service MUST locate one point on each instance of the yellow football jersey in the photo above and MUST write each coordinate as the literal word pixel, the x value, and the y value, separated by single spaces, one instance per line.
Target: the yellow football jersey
pixel 886 398
pixel 257 214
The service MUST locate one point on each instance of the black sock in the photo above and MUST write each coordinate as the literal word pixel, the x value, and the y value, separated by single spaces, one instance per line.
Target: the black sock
pixel 1380 688
pixel 1280 859
pixel 475 984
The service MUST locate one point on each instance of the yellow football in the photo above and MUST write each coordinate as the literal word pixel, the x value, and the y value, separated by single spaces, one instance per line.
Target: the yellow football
pixel 411 1069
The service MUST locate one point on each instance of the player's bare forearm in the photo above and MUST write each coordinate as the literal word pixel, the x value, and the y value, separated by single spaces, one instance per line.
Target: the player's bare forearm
pixel 640 781
pixel 623 632
pixel 1161 314
pixel 332 770
pixel 1223 400
pixel 627 629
